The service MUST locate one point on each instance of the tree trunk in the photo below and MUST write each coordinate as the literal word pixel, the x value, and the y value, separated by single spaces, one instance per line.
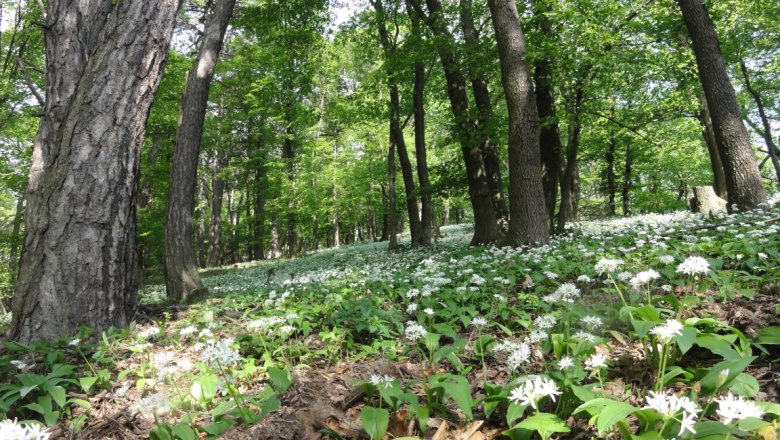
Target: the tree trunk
pixel 627 182
pixel 182 281
pixel 528 216
pixel 743 179
pixel 611 185
pixel 259 219
pixel 79 266
pixel 202 219
pixel 396 131
pixel 13 254
pixel 485 120
pixel 215 226
pixel 426 198
pixel 570 179
pixel 288 155
pixel 549 132
pixel 771 148
pixel 718 174
pixel 391 217
pixel 485 226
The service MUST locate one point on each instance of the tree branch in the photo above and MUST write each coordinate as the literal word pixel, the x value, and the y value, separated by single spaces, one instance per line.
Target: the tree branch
pixel 29 82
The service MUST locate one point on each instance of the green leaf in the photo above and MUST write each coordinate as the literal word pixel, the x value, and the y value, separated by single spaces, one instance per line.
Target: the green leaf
pixel 184 432
pixel 375 421
pixel 205 388
pixel 514 412
pixel 685 340
pixel 712 382
pixel 80 402
pixel 642 328
pixel 87 383
pixel 744 385
pixel 218 427
pixel 280 379
pixel 58 394
pixel 606 412
pixel 270 404
pixel 544 423
pixel 768 335
pixel 457 387
pixel 718 345
pixel 223 408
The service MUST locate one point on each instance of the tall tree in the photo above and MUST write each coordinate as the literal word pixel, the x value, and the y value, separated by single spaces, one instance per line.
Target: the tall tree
pixel 743 179
pixel 528 217
pixel 104 62
pixel 182 281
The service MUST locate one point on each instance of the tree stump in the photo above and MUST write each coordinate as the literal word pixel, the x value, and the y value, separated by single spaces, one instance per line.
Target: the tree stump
pixel 705 200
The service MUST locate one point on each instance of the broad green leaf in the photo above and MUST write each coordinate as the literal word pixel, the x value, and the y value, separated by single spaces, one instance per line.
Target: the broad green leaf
pixel 685 340
pixel 712 381
pixel 280 379
pixel 218 428
pixel 205 388
pixel 718 345
pixel 58 394
pixel 375 421
pixel 744 385
pixel 768 335
pixel 184 432
pixel 514 412
pixel 544 423
pixel 87 383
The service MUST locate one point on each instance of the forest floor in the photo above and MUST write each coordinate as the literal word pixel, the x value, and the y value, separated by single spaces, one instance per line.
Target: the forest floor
pixel 436 343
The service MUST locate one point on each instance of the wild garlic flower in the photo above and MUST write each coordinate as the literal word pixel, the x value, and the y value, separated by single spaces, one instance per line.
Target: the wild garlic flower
pixel 149 332
pixel 384 381
pixel 565 362
pixel 644 278
pixel 545 321
pixel 74 342
pixel 666 259
pixel 13 430
pixel 605 265
pixel 20 365
pixel 591 321
pixel 479 321
pixel 533 390
pixel 731 408
pixel 668 331
pixel 411 308
pixel 186 331
pixel 428 311
pixel 220 354
pixel 153 404
pixel 537 335
pixel 566 292
pixel 584 336
pixel 584 279
pixel 596 361
pixel 670 405
pixel 693 266
pixel 414 331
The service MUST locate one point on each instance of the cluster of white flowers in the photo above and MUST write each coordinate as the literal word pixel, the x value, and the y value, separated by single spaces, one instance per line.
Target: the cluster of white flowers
pixel 220 353
pixel 668 331
pixel 584 336
pixel 565 362
pixel 411 308
pixel 545 321
pixel 644 278
pixel 479 321
pixel 13 430
pixel 666 259
pixel 533 390
pixel 732 408
pixel 596 361
pixel 605 265
pixel 414 331
pixel 519 353
pixel 186 331
pixel 591 321
pixel 670 405
pixel 584 279
pixel 566 292
pixel 265 322
pixel 385 381
pixel 693 266
pixel 153 404
pixel 149 332
pixel 20 365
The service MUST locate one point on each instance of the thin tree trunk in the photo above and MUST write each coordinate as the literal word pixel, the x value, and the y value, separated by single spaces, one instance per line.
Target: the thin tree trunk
pixel 485 120
pixel 182 281
pixel 718 174
pixel 426 198
pixel 528 216
pixel 391 217
pixel 202 219
pixel 13 254
pixel 627 182
pixel 79 265
pixel 570 180
pixel 611 186
pixel 767 132
pixel 486 228
pixel 259 218
pixel 215 227
pixel 743 179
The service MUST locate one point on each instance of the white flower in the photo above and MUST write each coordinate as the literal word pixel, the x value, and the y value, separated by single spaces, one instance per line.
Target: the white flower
pixel 585 336
pixel 596 361
pixel 156 404
pixel 566 292
pixel 666 259
pixel 605 265
pixel 584 279
pixel 762 256
pixel 414 331
pixel 669 405
pixel 625 276
pixel 13 430
pixel 551 275
pixel 149 332
pixel 411 308
pixel 537 335
pixel 666 288
pixel 20 365
pixel 479 321
pixel 285 329
pixel 220 353
pixel 593 322
pixel 412 293
pixel 668 331
pixel 385 381
pixel 565 362
pixel 74 342
pixel 533 390
pixel 732 408
pixel 188 330
pixel 693 266
pixel 121 391
pixel 643 278
pixel 545 321
pixel 428 311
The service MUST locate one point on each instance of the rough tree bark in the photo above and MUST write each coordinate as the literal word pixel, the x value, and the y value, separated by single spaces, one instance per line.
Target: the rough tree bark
pixel 570 177
pixel 182 281
pixel 104 61
pixel 611 186
pixel 549 132
pixel 627 176
pixel 718 174
pixel 743 179
pixel 215 225
pixel 486 228
pixel 528 215
pixel 426 198
pixel 485 120
pixel 391 217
